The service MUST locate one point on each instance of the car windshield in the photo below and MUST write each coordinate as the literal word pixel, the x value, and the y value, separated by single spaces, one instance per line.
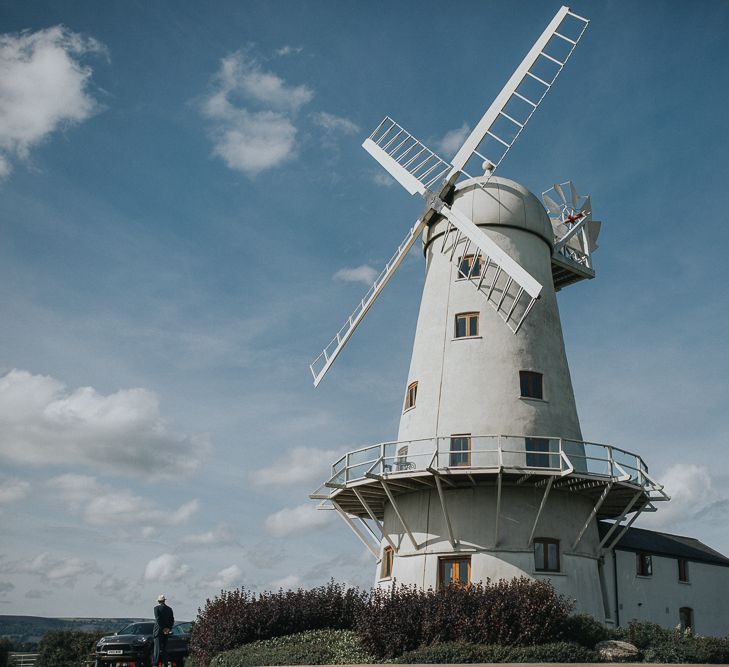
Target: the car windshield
pixel 181 628
pixel 138 629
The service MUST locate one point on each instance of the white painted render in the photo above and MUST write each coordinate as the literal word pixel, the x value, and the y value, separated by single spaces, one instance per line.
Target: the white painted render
pixel 659 597
pixel 472 512
pixel 472 385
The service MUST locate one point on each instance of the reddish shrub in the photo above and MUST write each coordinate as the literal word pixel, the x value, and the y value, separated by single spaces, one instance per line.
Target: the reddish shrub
pixel 238 617
pixel 518 612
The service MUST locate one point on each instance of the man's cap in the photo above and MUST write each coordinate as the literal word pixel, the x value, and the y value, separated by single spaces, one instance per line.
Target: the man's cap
pixel 161 598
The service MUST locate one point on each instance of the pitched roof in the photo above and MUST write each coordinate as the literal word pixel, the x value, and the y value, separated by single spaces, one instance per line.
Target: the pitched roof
pixel 665 544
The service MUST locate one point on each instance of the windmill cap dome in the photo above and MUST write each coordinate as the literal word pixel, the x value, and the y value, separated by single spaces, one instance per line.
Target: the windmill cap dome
pixel 501 201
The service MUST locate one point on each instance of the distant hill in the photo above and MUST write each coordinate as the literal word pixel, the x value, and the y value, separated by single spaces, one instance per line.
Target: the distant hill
pixel 28 630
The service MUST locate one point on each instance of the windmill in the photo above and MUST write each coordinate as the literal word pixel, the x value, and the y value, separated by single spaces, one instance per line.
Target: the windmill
pixel 489 476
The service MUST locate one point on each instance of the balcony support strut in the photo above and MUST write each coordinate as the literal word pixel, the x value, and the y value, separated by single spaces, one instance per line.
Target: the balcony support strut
pixel 619 520
pixel 547 489
pixel 629 524
pixel 356 530
pixel 399 515
pixel 451 539
pixel 590 518
pixel 376 521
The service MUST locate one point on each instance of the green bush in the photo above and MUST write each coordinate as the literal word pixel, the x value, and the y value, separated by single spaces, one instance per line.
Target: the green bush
pixel 462 653
pixel 689 649
pixel 645 634
pixel 66 648
pixel 584 629
pixel 5 647
pixel 314 647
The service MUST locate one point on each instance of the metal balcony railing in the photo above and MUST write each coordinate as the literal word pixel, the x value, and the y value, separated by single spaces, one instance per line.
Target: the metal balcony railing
pixel 491 453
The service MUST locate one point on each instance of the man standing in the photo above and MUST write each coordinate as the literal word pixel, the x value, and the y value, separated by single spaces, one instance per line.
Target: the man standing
pixel 164 619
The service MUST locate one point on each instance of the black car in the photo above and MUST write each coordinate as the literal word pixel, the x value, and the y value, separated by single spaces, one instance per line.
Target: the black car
pixel 133 646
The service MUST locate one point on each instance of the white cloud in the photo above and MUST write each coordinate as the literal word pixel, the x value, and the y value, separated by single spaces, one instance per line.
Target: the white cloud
pixel 288 50
pixel 35 594
pixel 289 582
pixel 299 519
pixel 383 179
pixel 693 497
pixel 220 535
pixel 12 490
pixel 333 123
pixel 225 578
pixel 101 505
pixel 165 568
pixel 118 588
pixel 42 423
pixel 6 587
pixel 43 87
pixel 253 140
pixel 51 569
pixel 360 274
pixel 453 140
pixel 300 464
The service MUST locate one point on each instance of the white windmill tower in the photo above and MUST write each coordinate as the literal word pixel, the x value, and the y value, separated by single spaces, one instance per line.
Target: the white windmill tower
pixel 489 476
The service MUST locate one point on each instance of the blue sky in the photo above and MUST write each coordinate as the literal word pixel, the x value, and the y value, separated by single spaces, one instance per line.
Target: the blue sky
pixel 181 184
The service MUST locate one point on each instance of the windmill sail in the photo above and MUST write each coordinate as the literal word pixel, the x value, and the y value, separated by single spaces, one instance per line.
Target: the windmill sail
pixel 323 362
pixel 509 113
pixel 410 162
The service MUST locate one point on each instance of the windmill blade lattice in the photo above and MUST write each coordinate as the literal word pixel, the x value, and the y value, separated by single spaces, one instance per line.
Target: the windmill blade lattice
pixel 575 232
pixel 506 118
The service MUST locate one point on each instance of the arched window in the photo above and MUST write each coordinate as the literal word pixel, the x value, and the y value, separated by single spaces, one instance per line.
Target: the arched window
pixel 686 618
pixel 386 569
pixel 411 395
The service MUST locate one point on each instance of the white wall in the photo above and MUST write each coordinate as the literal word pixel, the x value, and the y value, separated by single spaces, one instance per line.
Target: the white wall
pixel 473 514
pixel 658 598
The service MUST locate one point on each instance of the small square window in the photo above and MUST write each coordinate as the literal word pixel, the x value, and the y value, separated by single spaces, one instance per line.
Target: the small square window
pixel 546 555
pixel 454 572
pixel 470 266
pixel 531 384
pixel 683 570
pixel 460 454
pixel 644 564
pixel 386 569
pixel 466 325
pixel 411 395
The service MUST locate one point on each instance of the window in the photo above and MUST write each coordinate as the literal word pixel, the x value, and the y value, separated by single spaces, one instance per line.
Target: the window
pixel 460 454
pixel 686 618
pixel 644 564
pixel 454 572
pixel 531 384
pixel 410 395
pixel 470 266
pixel 386 570
pixel 546 555
pixel 683 571
pixel 466 325
pixel 538 460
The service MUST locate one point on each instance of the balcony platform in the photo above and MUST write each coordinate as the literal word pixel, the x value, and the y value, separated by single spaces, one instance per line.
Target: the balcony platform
pixel 615 480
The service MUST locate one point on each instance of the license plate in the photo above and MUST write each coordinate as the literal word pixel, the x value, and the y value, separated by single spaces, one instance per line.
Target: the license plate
pixel 114 651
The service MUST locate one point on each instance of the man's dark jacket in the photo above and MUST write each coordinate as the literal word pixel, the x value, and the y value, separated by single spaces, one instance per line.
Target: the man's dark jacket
pixel 163 618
